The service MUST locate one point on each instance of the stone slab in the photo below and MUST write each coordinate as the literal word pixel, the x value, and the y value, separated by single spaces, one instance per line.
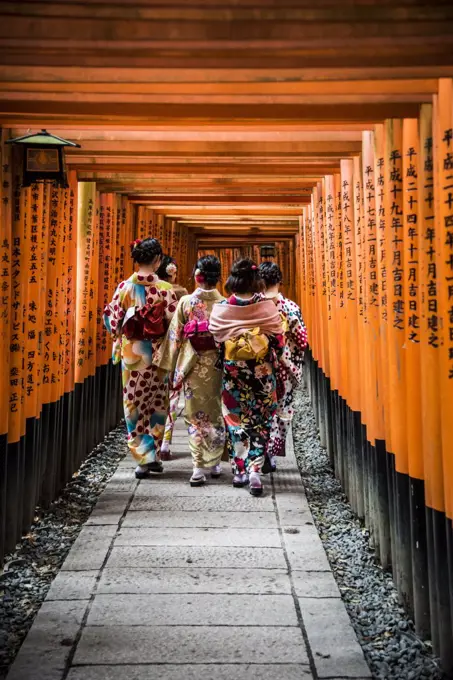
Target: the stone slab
pixel 292 518
pixel 155 487
pixel 194 580
pixel 167 518
pixel 90 549
pixel 199 537
pixel 72 585
pixel 315 584
pixel 193 672
pixel 305 550
pixel 177 556
pixel 190 609
pixel 190 645
pixel 292 500
pixel 335 648
pixel 46 649
pixel 122 475
pixel 124 486
pixel 244 503
pixel 110 508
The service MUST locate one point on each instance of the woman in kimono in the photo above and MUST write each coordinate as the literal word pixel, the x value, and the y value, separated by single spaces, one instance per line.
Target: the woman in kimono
pixel 249 330
pixel 190 354
pixel 291 363
pixel 168 271
pixel 138 317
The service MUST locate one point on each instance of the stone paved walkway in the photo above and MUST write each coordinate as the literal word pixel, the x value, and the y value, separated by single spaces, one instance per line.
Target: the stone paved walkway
pixel 173 583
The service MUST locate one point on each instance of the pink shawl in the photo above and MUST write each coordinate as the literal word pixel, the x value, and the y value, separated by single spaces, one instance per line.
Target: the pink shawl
pixel 229 321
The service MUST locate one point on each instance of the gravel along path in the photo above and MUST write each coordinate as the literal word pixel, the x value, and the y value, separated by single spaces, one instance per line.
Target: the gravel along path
pixel 391 647
pixel 28 572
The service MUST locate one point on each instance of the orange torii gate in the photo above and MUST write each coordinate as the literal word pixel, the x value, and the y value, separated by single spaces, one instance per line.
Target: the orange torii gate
pixel 380 319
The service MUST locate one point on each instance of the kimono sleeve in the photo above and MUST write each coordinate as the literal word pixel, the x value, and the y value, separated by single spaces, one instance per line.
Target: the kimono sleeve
pixel 167 354
pixel 114 312
pixel 297 329
pixel 171 304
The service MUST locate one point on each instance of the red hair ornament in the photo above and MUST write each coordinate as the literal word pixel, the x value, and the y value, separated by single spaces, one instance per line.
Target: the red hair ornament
pixel 199 277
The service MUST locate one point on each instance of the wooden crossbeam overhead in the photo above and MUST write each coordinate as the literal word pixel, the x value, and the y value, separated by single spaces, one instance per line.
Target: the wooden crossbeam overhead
pixel 285 200
pixel 52 111
pixel 176 211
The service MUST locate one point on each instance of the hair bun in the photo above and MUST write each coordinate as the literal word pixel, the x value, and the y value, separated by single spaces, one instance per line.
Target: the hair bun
pixel 244 266
pixel 245 277
pixel 208 267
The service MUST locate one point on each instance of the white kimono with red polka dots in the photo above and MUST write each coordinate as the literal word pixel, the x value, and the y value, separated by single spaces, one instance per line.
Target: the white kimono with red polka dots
pixel 289 373
pixel 145 389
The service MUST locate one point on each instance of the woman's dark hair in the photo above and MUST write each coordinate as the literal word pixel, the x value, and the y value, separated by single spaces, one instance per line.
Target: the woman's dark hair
pixel 245 277
pixel 209 267
pixel 162 271
pixel 146 251
pixel 270 273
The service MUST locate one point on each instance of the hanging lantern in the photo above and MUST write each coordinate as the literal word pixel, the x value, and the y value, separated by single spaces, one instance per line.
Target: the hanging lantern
pixel 267 252
pixel 43 158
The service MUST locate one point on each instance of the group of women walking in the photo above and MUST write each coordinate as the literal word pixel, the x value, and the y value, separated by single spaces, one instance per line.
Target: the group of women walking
pixel 236 360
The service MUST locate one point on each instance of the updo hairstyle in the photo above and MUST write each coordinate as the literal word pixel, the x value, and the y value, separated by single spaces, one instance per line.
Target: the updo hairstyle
pixel 270 273
pixel 146 251
pixel 209 268
pixel 162 272
pixel 245 277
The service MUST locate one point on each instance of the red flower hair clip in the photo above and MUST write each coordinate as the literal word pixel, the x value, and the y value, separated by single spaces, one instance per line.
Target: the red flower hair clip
pixel 135 243
pixel 254 267
pixel 199 277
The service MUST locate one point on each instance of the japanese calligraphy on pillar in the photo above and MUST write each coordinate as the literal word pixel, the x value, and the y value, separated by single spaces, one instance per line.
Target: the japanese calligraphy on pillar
pixel 18 312
pixel 71 283
pixel 102 293
pixel 381 220
pixel 383 404
pixel 446 222
pixel 35 314
pixel 443 186
pixel 349 259
pixel 376 426
pixel 339 239
pixel 411 228
pixel 331 282
pixel 429 312
pixel 85 223
pixel 411 149
pixel 395 179
pixel 393 170
pixel 359 236
pixel 5 276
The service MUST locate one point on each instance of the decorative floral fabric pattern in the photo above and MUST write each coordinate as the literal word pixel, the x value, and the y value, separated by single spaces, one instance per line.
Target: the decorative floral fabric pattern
pixel 289 373
pixel 145 390
pixel 249 401
pixel 195 373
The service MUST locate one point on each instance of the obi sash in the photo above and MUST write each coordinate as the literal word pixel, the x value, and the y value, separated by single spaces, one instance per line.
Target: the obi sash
pixel 145 323
pixel 198 335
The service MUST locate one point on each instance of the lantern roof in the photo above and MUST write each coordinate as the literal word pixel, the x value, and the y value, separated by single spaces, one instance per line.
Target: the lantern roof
pixel 42 138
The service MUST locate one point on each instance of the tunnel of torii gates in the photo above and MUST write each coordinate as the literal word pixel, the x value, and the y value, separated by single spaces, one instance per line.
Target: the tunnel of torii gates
pixel 325 129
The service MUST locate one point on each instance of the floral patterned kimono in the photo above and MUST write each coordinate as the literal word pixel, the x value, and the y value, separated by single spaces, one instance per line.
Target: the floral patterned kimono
pixel 194 371
pixel 289 373
pixel 145 391
pixel 249 400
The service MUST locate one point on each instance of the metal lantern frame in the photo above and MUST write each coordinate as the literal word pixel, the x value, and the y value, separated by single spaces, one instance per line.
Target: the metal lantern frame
pixel 267 251
pixel 43 158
